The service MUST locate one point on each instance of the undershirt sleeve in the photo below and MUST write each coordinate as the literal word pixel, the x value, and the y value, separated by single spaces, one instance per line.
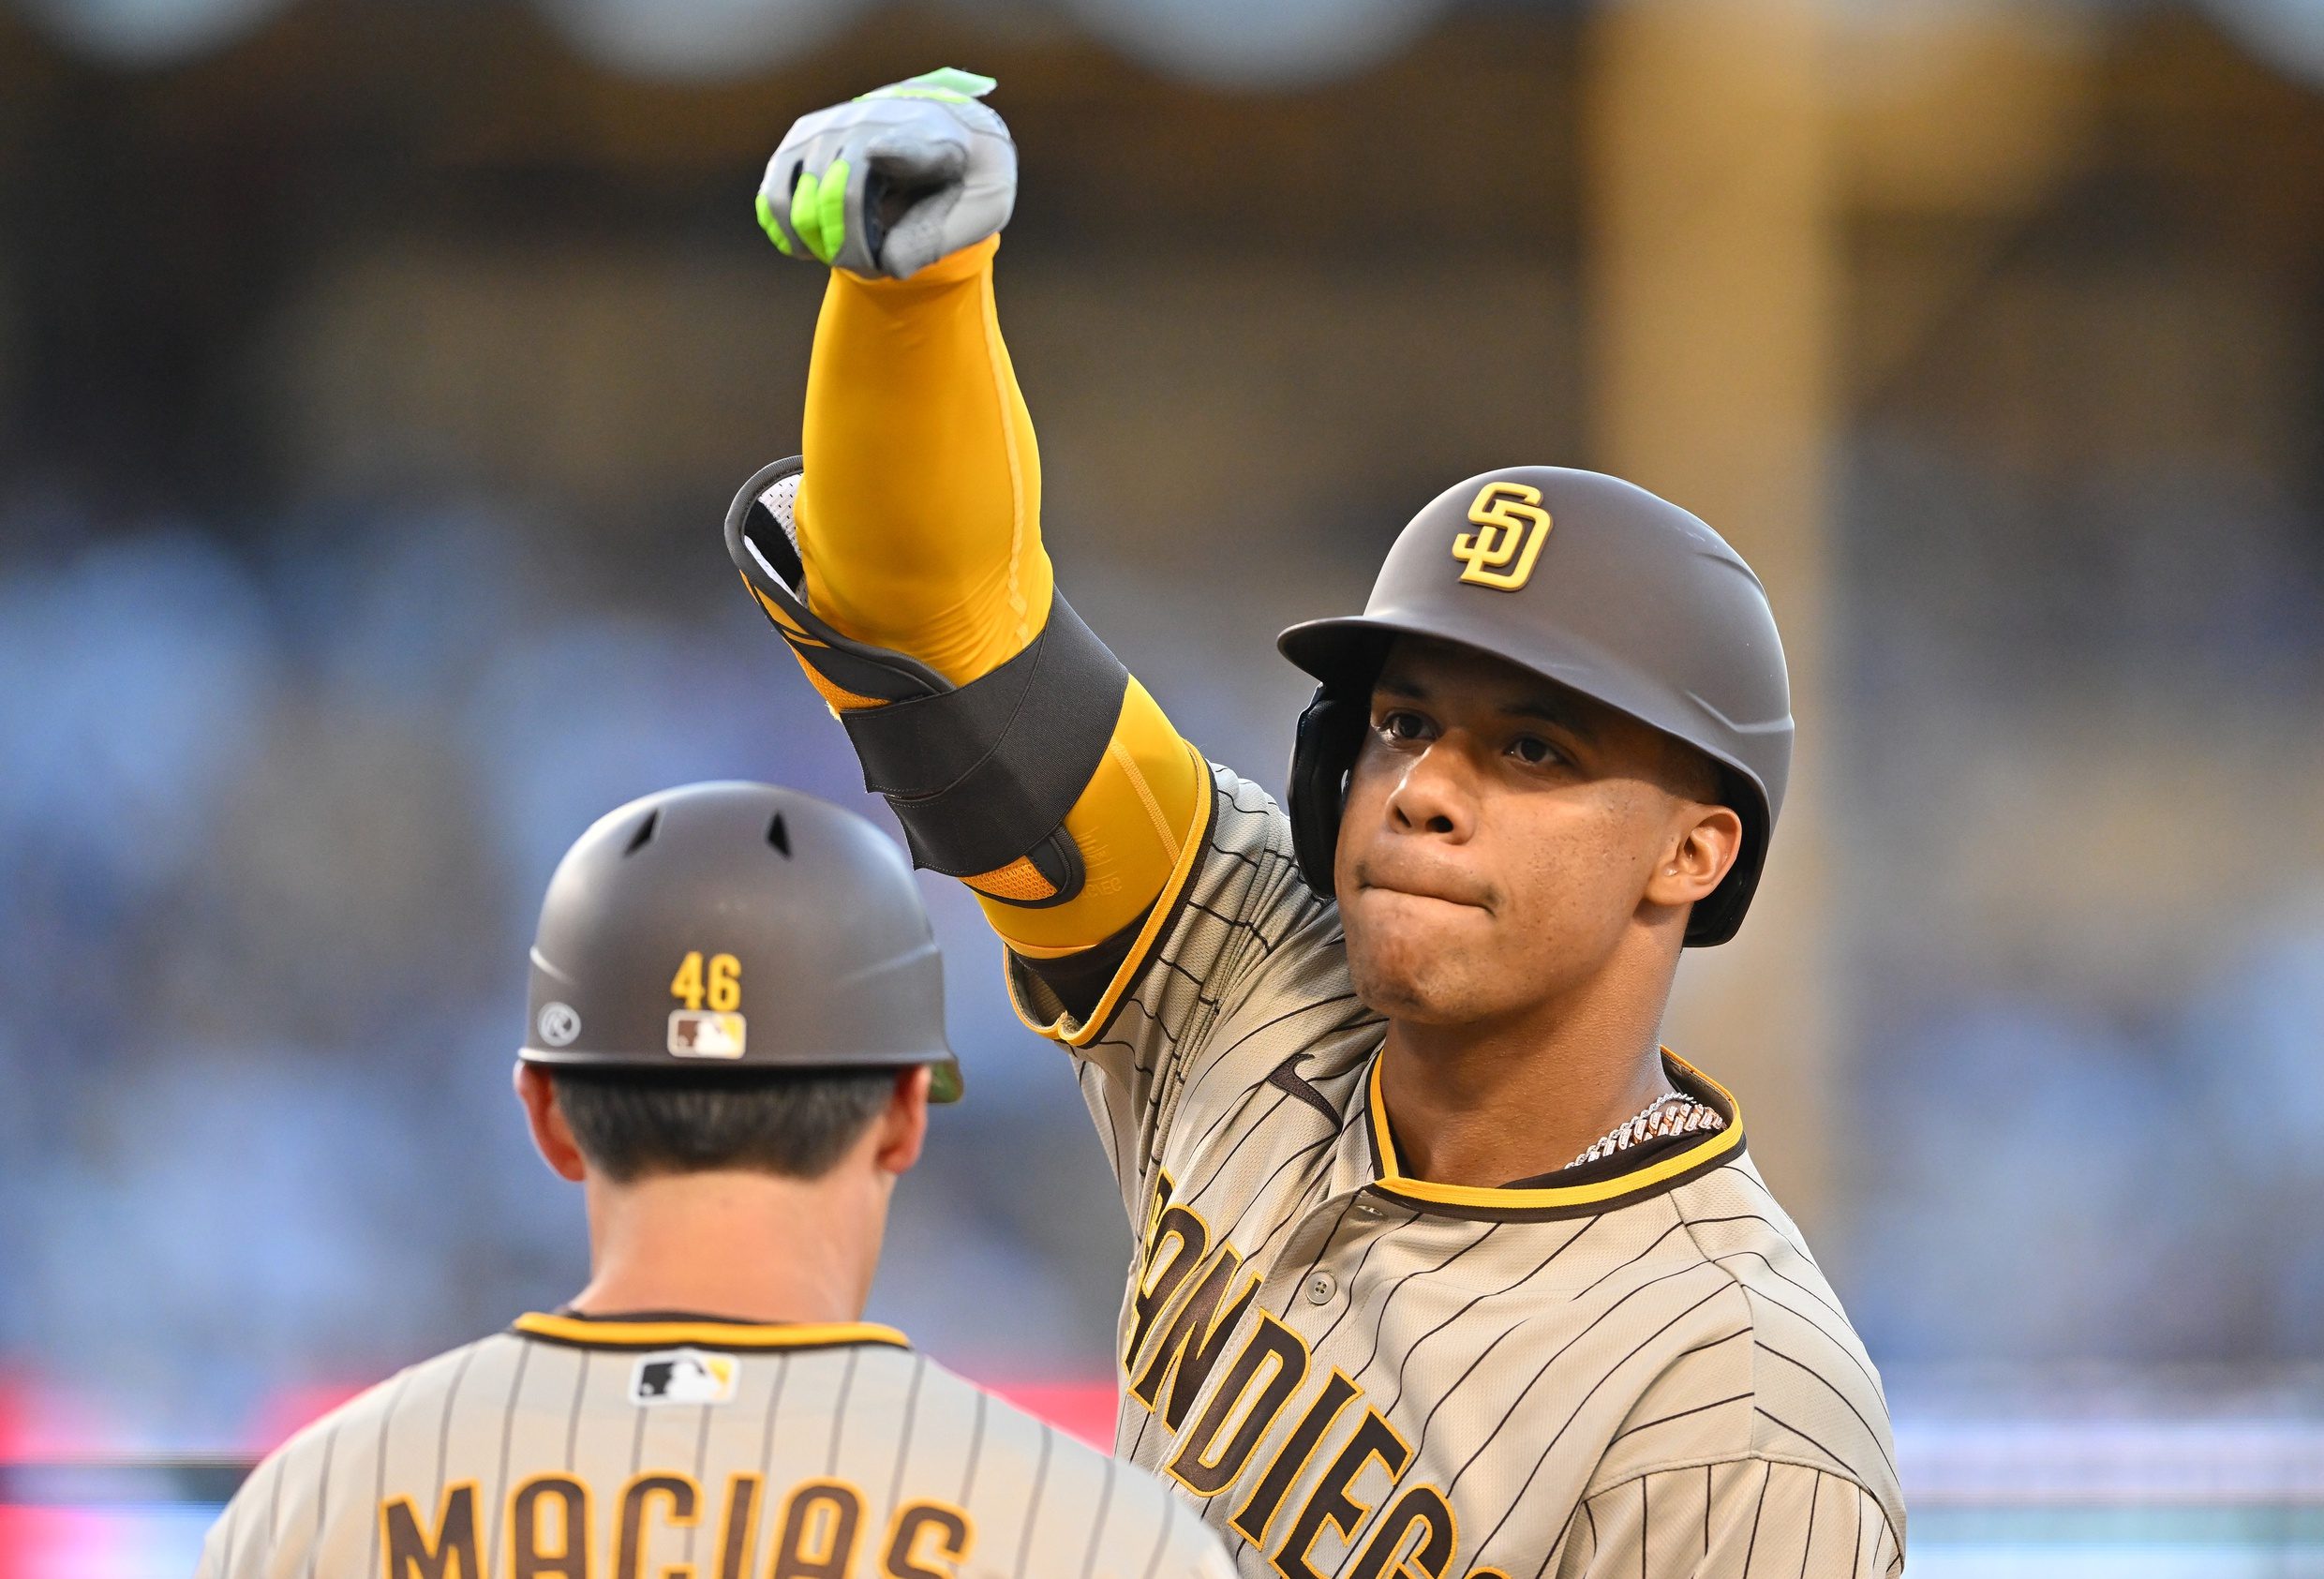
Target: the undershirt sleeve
pixel 920 531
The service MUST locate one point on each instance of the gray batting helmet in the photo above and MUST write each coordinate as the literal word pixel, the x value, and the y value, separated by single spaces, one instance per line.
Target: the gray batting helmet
pixel 736 926
pixel 1588 581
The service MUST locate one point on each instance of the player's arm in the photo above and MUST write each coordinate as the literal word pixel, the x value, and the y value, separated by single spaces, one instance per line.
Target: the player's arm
pixel 910 577
pixel 1746 1518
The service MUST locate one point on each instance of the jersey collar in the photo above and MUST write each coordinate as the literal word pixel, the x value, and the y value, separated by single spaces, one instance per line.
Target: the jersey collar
pixel 674 1330
pixel 1600 1186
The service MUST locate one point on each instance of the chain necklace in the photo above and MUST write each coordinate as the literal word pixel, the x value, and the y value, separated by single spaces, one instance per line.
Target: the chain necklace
pixel 1673 1112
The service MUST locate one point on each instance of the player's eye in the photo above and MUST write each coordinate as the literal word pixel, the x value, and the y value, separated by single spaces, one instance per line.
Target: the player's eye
pixel 1534 752
pixel 1401 725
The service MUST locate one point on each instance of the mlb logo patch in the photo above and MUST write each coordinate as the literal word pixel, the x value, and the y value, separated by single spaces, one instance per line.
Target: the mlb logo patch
pixel 683 1375
pixel 700 1034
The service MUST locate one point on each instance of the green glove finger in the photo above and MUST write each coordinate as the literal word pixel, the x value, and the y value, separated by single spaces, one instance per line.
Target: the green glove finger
pixel 807 211
pixel 948 84
pixel 773 227
pixel 803 211
pixel 831 203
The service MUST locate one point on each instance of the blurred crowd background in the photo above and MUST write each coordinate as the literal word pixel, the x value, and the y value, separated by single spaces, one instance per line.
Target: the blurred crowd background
pixel 374 375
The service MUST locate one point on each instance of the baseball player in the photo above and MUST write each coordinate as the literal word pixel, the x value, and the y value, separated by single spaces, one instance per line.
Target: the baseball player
pixel 736 1027
pixel 1442 1266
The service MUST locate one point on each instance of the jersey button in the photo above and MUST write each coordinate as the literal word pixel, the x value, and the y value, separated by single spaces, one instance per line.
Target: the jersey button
pixel 1320 1288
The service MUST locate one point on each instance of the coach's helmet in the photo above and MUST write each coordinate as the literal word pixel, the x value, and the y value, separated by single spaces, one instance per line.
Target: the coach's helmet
pixel 1588 581
pixel 736 926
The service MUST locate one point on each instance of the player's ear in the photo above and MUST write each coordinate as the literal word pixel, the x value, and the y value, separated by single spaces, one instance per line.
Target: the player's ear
pixel 1700 853
pixel 552 1137
pixel 901 1128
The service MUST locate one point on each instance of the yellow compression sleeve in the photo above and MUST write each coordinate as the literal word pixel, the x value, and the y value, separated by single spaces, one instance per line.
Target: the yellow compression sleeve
pixel 919 527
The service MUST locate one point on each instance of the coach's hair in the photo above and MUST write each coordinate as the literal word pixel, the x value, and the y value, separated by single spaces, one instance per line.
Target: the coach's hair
pixel 633 1124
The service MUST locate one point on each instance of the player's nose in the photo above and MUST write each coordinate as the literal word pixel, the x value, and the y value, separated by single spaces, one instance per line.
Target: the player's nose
pixel 1435 794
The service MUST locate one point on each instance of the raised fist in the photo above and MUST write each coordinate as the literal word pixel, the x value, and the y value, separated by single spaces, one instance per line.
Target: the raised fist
pixel 889 183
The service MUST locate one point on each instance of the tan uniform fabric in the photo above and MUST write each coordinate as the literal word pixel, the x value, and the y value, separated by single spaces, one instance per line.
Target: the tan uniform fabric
pixel 1637 1369
pixel 683 1448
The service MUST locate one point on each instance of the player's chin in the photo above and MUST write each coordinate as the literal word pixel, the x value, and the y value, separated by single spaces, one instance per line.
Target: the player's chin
pixel 1410 961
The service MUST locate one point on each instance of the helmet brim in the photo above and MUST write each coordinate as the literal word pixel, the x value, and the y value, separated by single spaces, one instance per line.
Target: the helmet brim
pixel 1345 652
pixel 945 1083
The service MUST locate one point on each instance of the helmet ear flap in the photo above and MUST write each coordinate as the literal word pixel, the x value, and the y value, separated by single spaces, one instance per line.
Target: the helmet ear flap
pixel 1330 731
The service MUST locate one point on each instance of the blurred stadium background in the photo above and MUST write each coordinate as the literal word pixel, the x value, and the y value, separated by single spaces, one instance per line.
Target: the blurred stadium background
pixel 373 374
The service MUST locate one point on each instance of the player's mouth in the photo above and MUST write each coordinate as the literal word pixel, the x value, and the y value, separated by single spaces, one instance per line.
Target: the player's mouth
pixel 1443 888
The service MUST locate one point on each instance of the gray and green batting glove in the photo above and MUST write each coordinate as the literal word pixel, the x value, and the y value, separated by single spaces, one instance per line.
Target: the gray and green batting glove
pixel 889 183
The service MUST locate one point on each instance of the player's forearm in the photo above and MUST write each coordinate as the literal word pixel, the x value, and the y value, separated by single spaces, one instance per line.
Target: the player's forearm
pixel 919 511
pixel 920 528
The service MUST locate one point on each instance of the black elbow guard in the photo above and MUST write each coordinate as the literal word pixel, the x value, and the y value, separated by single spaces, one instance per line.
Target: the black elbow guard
pixel 981 775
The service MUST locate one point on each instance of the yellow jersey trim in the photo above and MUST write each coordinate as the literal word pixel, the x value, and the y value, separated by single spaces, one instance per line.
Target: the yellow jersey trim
pixel 705 1334
pixel 1142 950
pixel 1396 1181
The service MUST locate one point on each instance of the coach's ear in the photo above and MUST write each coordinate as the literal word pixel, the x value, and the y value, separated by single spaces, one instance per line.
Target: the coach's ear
pixel 551 1136
pixel 901 1128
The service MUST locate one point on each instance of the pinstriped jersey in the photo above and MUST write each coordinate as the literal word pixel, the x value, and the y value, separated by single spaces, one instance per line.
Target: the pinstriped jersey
pixel 1633 1366
pixel 574 1448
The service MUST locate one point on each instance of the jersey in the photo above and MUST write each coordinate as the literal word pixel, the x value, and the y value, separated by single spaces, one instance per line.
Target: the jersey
pixel 574 1448
pixel 1633 1366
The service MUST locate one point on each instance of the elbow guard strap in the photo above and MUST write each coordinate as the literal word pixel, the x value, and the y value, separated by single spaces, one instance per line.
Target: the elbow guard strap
pixel 981 775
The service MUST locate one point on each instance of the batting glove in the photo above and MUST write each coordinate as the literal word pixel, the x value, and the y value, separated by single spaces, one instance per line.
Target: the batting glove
pixel 889 183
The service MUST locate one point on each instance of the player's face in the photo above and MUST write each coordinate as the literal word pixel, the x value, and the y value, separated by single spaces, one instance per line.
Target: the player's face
pixel 1503 835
